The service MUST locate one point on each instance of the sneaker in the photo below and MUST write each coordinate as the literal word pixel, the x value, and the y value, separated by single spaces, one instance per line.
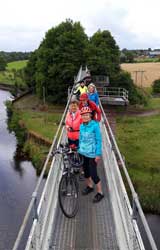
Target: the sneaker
pixel 98 197
pixel 87 190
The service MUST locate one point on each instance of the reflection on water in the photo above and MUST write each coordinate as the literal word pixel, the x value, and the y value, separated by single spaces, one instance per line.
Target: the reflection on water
pixel 18 167
pixel 17 182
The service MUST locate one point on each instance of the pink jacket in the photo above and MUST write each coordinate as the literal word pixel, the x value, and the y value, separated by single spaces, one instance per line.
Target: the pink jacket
pixel 73 124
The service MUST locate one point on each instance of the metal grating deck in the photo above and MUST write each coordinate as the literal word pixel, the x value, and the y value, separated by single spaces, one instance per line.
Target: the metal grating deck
pixel 91 229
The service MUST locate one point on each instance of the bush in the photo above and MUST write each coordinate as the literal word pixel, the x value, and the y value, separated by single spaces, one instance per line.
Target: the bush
pixel 124 80
pixel 9 108
pixel 20 131
pixel 139 97
pixel 156 86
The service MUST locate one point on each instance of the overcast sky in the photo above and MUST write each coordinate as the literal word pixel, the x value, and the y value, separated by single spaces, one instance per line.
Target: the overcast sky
pixel 132 23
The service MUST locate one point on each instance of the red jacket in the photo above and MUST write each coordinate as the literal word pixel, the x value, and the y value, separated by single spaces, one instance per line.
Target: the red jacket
pixel 73 124
pixel 96 112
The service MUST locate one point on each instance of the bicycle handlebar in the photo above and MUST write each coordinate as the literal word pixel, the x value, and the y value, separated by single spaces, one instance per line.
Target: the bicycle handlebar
pixel 62 150
pixel 65 149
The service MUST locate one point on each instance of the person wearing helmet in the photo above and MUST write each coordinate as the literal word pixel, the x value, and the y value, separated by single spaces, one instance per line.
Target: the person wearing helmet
pixel 73 121
pixel 92 94
pixel 87 78
pixel 81 89
pixel 90 147
pixel 85 102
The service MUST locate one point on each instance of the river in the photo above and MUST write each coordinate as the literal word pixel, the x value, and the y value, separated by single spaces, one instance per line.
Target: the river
pixel 17 183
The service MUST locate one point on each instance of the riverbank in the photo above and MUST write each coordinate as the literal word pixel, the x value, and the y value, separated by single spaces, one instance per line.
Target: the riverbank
pixel 35 125
pixel 138 137
pixel 7 87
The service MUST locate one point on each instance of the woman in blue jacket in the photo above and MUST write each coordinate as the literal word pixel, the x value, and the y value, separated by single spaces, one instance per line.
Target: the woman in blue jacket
pixel 92 94
pixel 90 147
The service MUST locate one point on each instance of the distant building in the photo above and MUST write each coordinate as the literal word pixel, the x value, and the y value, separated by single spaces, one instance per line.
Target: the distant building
pixel 155 53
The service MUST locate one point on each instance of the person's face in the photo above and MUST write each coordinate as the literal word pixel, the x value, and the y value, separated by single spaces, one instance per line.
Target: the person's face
pixel 86 117
pixel 84 102
pixel 91 89
pixel 73 107
pixel 82 84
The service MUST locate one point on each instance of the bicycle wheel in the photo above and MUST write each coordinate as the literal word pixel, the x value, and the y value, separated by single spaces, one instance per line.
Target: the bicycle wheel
pixel 76 159
pixel 68 195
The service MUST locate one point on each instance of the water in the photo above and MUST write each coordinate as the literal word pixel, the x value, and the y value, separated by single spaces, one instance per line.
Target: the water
pixel 17 182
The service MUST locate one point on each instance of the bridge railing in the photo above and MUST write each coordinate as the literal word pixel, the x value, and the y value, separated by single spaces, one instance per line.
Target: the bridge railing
pixel 125 214
pixel 40 234
pixel 113 92
pixel 32 211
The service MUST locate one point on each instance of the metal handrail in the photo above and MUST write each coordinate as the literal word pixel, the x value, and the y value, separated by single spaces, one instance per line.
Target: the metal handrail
pixel 134 194
pixel 34 195
pixel 113 92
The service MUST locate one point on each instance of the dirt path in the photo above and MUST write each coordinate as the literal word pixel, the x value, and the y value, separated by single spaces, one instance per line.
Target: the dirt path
pixel 147 113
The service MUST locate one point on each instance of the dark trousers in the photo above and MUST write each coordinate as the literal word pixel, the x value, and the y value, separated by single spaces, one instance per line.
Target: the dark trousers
pixel 73 142
pixel 90 169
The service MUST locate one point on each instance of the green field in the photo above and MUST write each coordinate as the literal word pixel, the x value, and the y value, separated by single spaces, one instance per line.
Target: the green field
pixel 146 60
pixel 139 141
pixel 154 103
pixel 43 123
pixel 17 65
pixel 10 75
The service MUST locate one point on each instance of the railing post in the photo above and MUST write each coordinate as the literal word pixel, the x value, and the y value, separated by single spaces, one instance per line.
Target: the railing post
pixel 134 208
pixel 119 92
pixel 35 206
pixel 123 93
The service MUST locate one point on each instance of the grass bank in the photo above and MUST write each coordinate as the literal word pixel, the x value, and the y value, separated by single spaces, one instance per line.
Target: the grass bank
pixel 30 115
pixel 139 141
pixel 12 74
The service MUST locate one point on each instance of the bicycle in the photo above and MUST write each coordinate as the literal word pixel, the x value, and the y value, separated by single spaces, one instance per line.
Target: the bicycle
pixel 68 191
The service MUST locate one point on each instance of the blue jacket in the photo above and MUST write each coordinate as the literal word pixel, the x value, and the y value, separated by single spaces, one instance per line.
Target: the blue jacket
pixel 90 139
pixel 93 97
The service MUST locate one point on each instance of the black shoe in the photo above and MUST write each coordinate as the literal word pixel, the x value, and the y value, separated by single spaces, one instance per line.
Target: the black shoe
pixel 87 190
pixel 98 197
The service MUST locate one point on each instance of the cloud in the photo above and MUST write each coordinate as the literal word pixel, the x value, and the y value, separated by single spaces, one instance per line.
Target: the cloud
pixel 20 39
pixel 133 24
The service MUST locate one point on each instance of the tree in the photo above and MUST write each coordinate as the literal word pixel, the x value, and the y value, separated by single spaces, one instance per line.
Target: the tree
pixel 30 70
pixel 63 50
pixel 156 86
pixel 129 56
pixel 103 55
pixel 15 56
pixel 57 60
pixel 2 63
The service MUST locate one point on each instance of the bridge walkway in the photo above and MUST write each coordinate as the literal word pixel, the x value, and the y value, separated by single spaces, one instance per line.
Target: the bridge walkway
pixel 92 228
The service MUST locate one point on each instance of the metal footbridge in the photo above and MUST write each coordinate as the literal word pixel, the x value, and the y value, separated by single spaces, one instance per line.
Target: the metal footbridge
pixel 112 224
